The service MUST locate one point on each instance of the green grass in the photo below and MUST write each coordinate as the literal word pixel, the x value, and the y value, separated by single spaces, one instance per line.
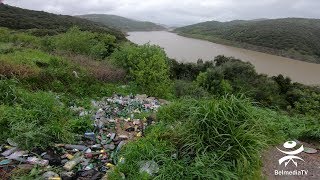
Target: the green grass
pixel 210 139
pixel 33 119
pixel 27 57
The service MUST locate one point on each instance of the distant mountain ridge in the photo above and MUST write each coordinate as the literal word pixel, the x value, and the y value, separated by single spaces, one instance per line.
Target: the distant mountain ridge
pixel 48 23
pixel 297 38
pixel 122 23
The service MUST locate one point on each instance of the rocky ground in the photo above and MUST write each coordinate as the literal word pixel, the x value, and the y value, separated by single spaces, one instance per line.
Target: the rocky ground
pixel 116 119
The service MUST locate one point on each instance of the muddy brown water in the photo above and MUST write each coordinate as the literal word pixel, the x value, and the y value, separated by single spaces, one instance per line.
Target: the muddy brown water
pixel 190 50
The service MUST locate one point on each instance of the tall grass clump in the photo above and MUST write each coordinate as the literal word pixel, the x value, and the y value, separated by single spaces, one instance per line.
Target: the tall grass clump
pixel 223 134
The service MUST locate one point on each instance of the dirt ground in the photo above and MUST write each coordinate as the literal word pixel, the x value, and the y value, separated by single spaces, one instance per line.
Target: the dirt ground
pixel 311 163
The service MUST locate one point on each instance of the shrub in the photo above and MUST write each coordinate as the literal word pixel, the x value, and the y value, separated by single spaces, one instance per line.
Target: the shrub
pixel 213 81
pixel 147 66
pixel 189 89
pixel 85 42
pixel 188 71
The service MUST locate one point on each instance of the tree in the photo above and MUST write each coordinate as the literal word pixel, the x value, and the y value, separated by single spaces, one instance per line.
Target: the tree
pixel 147 66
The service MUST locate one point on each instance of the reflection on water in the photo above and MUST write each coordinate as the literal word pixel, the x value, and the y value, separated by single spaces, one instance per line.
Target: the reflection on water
pixel 190 50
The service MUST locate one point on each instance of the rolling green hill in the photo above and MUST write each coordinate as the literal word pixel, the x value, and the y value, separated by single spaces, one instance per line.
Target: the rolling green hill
pixel 122 23
pixel 290 37
pixel 43 23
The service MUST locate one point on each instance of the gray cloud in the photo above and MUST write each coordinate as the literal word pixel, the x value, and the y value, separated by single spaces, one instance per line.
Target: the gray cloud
pixel 179 12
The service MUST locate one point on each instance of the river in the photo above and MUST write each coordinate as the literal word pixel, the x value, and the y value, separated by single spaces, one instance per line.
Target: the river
pixel 186 49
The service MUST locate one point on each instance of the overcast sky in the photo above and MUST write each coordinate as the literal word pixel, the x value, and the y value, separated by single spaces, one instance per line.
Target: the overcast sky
pixel 179 12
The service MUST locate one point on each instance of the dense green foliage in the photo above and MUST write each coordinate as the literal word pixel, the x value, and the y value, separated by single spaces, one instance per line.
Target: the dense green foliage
pixel 122 23
pixel 97 45
pixel 291 37
pixel 147 66
pixel 227 75
pixel 37 88
pixel 43 23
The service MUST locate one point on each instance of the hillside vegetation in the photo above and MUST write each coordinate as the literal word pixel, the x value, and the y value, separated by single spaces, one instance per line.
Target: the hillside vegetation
pixel 221 117
pixel 43 23
pixel 125 24
pixel 291 37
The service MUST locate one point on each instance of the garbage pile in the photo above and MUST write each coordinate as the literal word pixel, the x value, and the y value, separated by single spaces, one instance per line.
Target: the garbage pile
pixel 116 121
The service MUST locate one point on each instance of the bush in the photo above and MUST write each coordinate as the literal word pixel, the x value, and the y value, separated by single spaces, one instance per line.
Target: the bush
pixel 189 89
pixel 147 66
pixel 213 81
pixel 188 71
pixel 85 42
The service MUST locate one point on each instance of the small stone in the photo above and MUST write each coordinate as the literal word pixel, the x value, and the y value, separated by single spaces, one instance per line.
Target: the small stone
pixel 310 150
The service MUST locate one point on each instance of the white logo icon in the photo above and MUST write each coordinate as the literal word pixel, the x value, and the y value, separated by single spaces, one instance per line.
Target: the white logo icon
pixel 290 155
